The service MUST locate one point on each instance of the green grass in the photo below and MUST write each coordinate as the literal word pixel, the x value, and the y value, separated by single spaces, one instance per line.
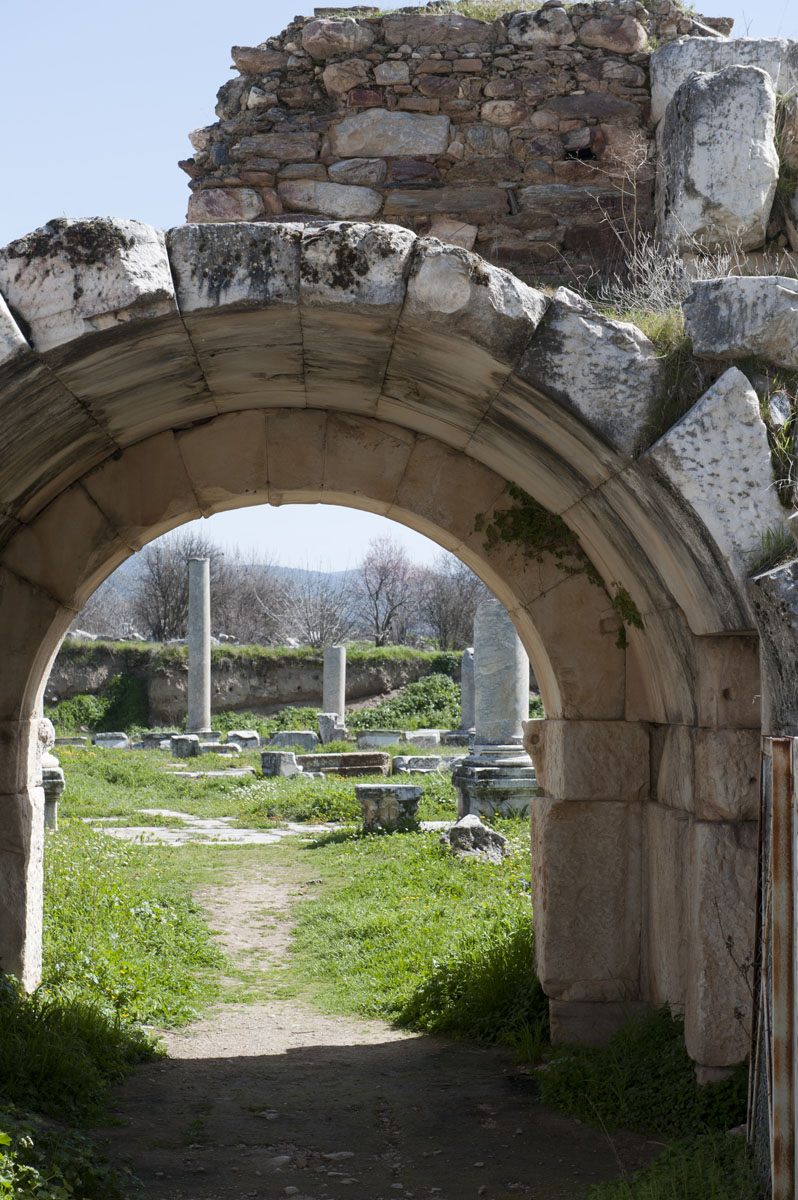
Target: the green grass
pixel 407 932
pixel 712 1166
pixel 332 799
pixel 432 702
pixel 119 783
pixel 122 933
pixel 642 1079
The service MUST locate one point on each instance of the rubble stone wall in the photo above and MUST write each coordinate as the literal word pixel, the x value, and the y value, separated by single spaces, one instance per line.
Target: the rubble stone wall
pixel 528 138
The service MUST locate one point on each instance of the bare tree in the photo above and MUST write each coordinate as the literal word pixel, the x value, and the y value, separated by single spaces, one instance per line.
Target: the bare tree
pixel 386 593
pixel 160 601
pixel 108 613
pixel 323 610
pixel 449 593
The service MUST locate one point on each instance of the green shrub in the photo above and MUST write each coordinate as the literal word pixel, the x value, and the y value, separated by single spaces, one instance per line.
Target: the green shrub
pixel 713 1166
pixel 433 701
pixel 126 704
pixel 41 1163
pixel 58 1054
pixel 80 713
pixel 642 1079
pixel 447 662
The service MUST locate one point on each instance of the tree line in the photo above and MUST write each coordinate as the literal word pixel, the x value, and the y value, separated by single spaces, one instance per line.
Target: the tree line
pixel 386 599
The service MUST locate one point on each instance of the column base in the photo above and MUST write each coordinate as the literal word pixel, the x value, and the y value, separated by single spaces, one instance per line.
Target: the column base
pixel 495 781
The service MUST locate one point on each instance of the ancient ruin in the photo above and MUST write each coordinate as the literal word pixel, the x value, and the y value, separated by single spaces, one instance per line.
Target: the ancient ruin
pixel 266 352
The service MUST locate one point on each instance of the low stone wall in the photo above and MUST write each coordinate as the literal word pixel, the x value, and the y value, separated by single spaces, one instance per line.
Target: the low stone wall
pixel 517 137
pixel 260 684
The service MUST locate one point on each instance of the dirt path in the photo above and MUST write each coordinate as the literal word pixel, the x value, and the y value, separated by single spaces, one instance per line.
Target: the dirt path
pixel 275 1099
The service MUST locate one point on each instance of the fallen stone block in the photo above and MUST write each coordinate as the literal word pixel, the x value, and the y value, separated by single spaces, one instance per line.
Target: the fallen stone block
pixel 388 806
pixel 378 737
pixel 416 762
pixel 747 315
pixel 354 763
pixel 185 745
pixel 304 738
pixel 276 763
pixel 112 741
pixel 469 838
pixel 245 739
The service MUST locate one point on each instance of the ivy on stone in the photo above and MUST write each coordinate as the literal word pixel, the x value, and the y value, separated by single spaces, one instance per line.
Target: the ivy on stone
pixel 538 532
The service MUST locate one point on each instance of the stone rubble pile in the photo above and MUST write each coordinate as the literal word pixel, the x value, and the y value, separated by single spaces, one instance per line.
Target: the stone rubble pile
pixel 515 135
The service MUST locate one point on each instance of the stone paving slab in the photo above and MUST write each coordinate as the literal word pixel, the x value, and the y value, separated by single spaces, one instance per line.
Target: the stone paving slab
pixel 220 830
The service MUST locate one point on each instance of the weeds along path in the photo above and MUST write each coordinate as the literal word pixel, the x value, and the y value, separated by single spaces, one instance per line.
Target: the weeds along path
pixel 268 1097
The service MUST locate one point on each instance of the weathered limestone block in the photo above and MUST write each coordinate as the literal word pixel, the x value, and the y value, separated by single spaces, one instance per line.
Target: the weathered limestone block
pixel 575 355
pixel 439 29
pixel 257 60
pixel 225 204
pixel 670 865
pixel 185 745
pixel 408 202
pixel 340 77
pixel 378 132
pixel 306 739
pixel 112 740
pixel 717 1022
pixel 586 898
pixel 747 315
pixel 620 32
pixel 332 199
pixel 391 73
pixel 676 773
pixel 74 277
pixel 217 265
pixel 728 683
pixel 286 147
pixel 458 291
pixel 354 763
pixel 358 264
pixel 469 838
pixel 546 27
pixel 378 737
pixel 718 458
pixel 21 857
pixel 727 768
pixel 12 340
pixel 367 172
pixel 278 764
pixel 504 112
pixel 414 762
pixel 774 600
pixel 714 187
pixel 589 760
pixel 245 739
pixel 324 39
pixel 388 805
pixel 675 61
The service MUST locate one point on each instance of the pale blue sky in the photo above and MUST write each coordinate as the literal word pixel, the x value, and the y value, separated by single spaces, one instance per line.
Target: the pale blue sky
pixel 97 101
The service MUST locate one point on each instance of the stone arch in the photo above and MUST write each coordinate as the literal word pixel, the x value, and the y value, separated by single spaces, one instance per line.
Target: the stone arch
pixel 150 379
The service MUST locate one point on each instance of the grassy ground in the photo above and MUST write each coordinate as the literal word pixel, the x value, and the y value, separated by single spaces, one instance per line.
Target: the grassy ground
pixel 405 931
pixel 397 928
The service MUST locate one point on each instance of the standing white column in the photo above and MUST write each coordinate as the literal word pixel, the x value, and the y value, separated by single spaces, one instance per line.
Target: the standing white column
pixel 199 645
pixel 334 681
pixel 501 678
pixel 467 690
pixel 497 775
